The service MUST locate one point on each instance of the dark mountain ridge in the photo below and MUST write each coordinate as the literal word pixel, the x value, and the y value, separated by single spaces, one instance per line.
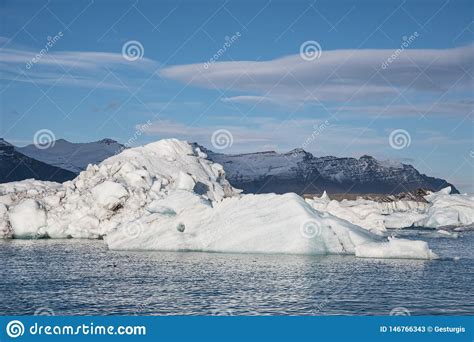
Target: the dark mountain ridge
pixel 301 172
pixel 261 172
pixel 15 166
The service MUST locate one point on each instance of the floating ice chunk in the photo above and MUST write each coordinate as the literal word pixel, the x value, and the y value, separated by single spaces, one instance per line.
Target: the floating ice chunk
pixel 445 233
pixel 267 223
pixel 449 210
pixel 441 210
pixel 396 249
pixel 467 228
pixel 26 219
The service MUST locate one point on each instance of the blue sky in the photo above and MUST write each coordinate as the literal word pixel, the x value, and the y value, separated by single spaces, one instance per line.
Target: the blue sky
pixel 237 66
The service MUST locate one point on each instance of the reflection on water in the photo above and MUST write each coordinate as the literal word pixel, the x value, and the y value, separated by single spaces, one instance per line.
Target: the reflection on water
pixel 72 277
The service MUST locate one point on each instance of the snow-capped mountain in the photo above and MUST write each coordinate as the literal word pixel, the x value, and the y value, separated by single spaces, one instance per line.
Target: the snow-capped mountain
pixel 15 166
pixel 367 174
pixel 299 171
pixel 265 172
pixel 73 156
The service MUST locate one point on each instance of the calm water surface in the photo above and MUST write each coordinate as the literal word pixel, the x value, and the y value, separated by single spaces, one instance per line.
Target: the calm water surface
pixel 78 277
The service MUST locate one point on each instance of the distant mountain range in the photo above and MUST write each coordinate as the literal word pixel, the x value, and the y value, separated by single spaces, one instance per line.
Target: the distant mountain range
pixel 15 166
pixel 73 156
pixel 261 172
pixel 299 171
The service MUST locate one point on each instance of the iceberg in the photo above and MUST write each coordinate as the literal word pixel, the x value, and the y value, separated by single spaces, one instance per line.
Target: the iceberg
pixel 449 210
pixel 265 223
pixel 441 209
pixel 166 196
pixel 396 248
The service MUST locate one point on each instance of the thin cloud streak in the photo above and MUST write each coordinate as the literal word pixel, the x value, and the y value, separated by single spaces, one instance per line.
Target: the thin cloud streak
pixel 338 75
pixel 68 68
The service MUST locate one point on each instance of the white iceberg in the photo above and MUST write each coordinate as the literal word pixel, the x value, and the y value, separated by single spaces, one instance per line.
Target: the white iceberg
pixel 166 196
pixel 265 223
pixel 448 210
pixel 441 209
pixel 395 248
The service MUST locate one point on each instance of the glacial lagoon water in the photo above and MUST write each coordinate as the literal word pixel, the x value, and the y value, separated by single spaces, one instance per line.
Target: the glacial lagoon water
pixel 81 277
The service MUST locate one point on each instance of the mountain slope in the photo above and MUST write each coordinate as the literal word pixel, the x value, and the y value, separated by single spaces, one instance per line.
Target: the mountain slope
pixel 15 166
pixel 265 172
pixel 367 174
pixel 73 156
pixel 299 171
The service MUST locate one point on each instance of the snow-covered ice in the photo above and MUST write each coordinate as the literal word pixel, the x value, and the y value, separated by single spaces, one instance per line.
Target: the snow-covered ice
pixel 395 248
pixel 449 210
pixel 27 219
pixel 265 223
pixel 168 196
pixel 441 209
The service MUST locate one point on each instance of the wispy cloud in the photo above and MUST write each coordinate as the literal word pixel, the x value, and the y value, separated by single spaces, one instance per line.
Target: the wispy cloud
pixel 445 108
pixel 338 75
pixel 70 68
pixel 322 137
pixel 248 99
pixel 263 132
